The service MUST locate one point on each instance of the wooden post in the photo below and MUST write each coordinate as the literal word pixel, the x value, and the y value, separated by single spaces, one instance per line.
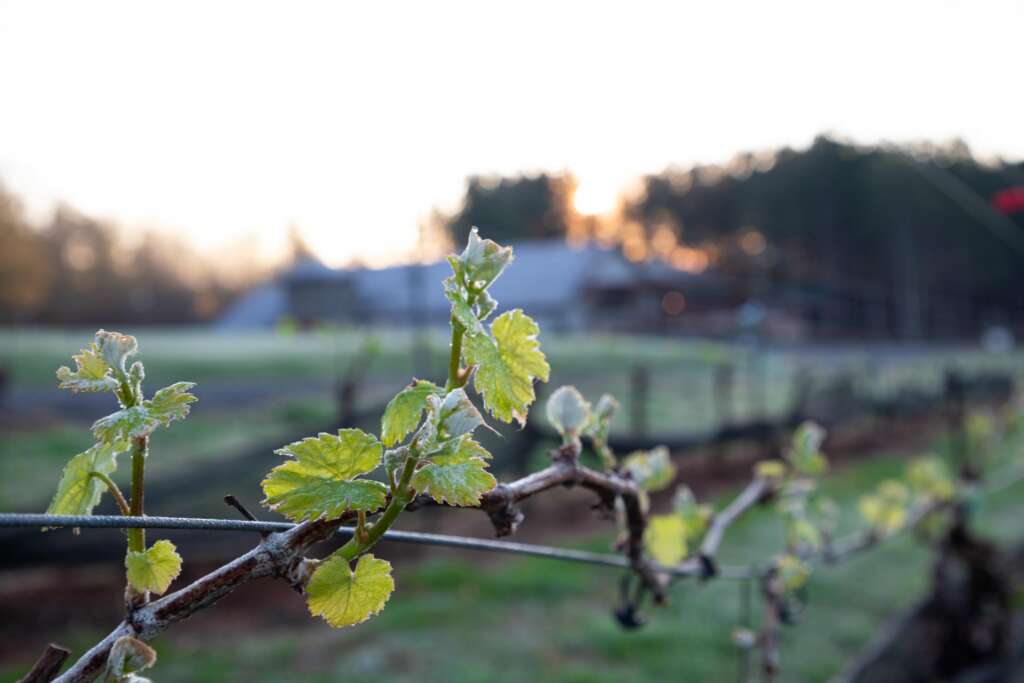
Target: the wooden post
pixel 639 389
pixel 724 394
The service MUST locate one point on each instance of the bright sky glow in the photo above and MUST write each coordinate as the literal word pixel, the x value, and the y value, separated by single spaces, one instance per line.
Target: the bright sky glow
pixel 353 120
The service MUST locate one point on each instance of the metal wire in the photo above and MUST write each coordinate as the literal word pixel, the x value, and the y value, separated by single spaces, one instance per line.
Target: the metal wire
pixel 11 520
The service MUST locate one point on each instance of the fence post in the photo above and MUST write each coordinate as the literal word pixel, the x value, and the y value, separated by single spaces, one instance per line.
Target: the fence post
pixel 724 394
pixel 956 414
pixel 640 381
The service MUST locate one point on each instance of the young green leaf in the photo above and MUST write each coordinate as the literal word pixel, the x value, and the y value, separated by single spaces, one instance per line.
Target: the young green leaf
pixel 483 260
pixel 567 410
pixel 457 475
pixel 116 348
pixel 170 403
pixel 651 470
pixel 801 534
pixel 78 491
pixel 695 515
pixel 91 372
pixel 463 312
pixel 344 597
pixel 792 571
pixel 320 481
pixel 124 425
pixel 930 478
pixel 886 509
pixel 507 363
pixel 155 568
pixel 403 412
pixel 805 454
pixel 665 538
pixel 772 471
pixel 394 459
pixel 456 415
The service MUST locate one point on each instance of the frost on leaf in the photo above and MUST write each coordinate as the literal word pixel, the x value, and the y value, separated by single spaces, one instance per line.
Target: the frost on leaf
pixel 170 403
pixel 456 415
pixel 403 412
pixel 482 261
pixel 127 656
pixel 78 492
pixel 665 538
pixel 344 597
pixel 652 470
pixel 567 410
pixel 456 475
pixel 91 372
pixel 321 480
pixel 153 569
pixel 116 348
pixel 124 425
pixel 507 362
pixel 463 312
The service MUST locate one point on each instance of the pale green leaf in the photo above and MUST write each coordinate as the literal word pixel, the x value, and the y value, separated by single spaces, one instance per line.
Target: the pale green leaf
pixel 457 415
pixel 319 481
pixel 665 538
pixel 91 372
pixel 170 403
pixel 507 363
pixel 805 454
pixel 792 571
pixel 485 305
pixel 770 470
pixel 457 475
pixel 155 568
pixel 801 534
pixel 403 412
pixel 696 516
pixel 567 410
pixel 124 425
pixel 78 493
pixel 344 597
pixel 394 459
pixel 931 479
pixel 651 470
pixel 483 260
pixel 886 509
pixel 116 348
pixel 463 312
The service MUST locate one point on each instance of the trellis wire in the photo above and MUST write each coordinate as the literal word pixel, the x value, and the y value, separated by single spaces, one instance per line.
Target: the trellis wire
pixel 415 537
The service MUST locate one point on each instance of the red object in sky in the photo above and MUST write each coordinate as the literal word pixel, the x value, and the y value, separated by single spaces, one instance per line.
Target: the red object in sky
pixel 1009 201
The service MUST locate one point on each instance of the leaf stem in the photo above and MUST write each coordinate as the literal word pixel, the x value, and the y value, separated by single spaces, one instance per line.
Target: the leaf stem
pixel 122 504
pixel 455 360
pixel 399 499
pixel 137 537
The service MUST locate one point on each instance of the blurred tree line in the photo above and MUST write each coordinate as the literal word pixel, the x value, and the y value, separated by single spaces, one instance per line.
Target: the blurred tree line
pixel 79 270
pixel 849 237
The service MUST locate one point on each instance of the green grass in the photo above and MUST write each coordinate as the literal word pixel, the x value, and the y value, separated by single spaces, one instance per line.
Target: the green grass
pixel 531 620
pixel 31 461
pixel 681 372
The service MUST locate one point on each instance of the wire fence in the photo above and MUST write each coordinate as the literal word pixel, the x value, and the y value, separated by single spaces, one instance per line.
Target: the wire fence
pixel 686 569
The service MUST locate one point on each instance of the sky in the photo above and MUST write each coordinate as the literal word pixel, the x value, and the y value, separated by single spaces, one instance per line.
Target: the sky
pixel 221 121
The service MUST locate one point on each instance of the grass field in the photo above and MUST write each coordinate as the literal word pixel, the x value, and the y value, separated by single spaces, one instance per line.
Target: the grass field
pixel 466 618
pixel 457 618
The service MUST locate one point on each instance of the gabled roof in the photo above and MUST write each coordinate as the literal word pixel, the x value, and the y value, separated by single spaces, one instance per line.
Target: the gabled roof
pixel 543 273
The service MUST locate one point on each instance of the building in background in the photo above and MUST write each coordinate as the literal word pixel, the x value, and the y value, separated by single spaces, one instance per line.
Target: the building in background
pixel 564 287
